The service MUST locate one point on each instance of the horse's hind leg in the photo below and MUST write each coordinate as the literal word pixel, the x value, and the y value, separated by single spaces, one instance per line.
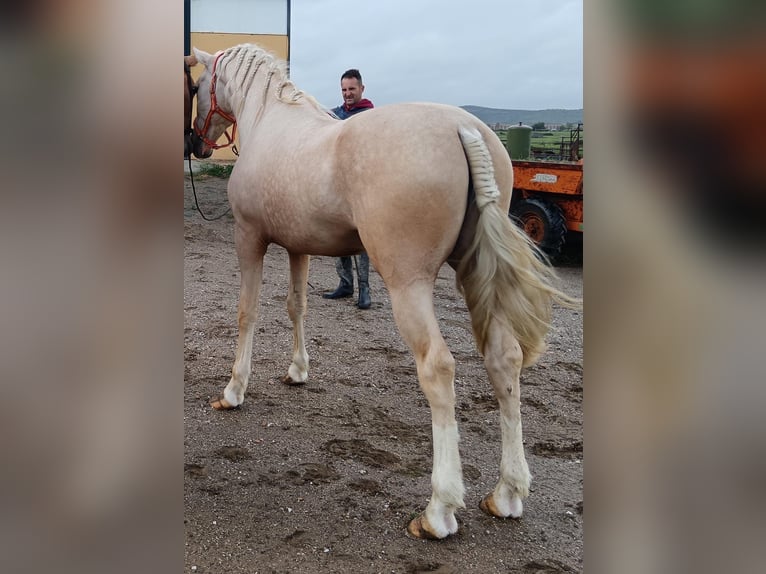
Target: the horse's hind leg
pixel 250 254
pixel 298 371
pixel 503 359
pixel 414 315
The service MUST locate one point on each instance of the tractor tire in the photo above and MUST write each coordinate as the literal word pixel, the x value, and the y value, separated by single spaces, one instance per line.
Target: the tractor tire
pixel 543 222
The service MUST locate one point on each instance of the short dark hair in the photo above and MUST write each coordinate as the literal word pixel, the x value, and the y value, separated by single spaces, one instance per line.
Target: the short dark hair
pixel 353 73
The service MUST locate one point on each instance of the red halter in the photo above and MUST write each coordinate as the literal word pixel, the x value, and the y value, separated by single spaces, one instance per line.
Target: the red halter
pixel 214 109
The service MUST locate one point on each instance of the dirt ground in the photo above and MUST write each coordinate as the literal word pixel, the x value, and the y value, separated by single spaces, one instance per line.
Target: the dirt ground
pixel 325 477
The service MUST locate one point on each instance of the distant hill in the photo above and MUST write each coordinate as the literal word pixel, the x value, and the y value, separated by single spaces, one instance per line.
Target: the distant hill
pixel 493 116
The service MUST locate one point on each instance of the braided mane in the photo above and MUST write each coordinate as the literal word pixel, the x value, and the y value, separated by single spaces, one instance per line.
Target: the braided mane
pixel 248 60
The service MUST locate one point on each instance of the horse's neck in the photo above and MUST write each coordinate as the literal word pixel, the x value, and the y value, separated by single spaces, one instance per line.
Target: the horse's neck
pixel 281 123
pixel 259 108
pixel 258 94
pixel 249 93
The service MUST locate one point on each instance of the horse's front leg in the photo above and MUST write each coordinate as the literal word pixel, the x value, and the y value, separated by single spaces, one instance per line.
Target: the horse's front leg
pixel 298 372
pixel 250 254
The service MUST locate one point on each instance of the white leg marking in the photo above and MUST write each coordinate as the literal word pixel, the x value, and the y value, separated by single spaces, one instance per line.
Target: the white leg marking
pixel 446 481
pixel 232 397
pixel 299 369
pixel 506 502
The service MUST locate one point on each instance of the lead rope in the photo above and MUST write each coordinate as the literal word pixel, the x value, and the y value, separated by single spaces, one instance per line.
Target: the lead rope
pixel 196 203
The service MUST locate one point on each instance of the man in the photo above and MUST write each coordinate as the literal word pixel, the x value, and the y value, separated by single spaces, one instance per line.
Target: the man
pixel 352 89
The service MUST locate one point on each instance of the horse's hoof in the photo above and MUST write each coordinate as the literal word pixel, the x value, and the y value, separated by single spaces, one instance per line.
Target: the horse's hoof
pixel 288 380
pixel 487 506
pixel 221 404
pixel 515 509
pixel 418 528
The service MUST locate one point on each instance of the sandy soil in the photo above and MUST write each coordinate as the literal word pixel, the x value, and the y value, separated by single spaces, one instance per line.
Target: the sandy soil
pixel 325 477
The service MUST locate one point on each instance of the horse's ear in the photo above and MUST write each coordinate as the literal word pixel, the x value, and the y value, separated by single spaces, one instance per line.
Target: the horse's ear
pixel 202 57
pixel 190 61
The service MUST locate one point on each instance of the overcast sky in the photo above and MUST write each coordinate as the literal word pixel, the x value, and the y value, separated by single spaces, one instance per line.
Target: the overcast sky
pixel 516 54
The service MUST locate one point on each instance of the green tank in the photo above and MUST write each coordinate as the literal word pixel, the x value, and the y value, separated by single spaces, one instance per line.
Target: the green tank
pixel 519 141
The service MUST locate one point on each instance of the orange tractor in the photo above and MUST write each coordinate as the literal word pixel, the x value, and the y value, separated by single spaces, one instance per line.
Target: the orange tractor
pixel 547 200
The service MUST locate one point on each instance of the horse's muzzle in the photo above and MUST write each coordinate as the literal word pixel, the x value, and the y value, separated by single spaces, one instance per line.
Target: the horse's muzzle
pixel 193 144
pixel 201 149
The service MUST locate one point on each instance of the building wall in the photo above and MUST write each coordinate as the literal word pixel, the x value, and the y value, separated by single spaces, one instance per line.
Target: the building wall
pixel 240 16
pixel 220 24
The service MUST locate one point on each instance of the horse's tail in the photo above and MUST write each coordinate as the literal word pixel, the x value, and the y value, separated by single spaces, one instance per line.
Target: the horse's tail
pixel 500 272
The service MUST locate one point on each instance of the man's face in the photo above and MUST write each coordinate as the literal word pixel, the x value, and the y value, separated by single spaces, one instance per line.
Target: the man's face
pixel 352 91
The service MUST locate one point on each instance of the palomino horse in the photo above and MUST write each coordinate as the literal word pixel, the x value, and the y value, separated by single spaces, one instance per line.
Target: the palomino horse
pixel 415 185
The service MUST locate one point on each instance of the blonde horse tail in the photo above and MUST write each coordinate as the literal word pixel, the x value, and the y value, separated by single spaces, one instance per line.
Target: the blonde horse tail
pixel 501 274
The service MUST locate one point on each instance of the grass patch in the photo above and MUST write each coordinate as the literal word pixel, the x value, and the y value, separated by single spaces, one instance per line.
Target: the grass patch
pixel 222 170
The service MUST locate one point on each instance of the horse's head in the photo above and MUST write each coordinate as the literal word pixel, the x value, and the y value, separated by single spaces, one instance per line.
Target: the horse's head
pixel 190 89
pixel 214 113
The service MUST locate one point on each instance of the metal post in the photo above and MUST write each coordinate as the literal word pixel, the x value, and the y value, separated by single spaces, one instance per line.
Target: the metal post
pixel 289 10
pixel 187 27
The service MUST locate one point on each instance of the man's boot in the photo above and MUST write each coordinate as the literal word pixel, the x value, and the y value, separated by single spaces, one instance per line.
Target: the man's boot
pixel 363 271
pixel 344 289
pixel 346 274
pixel 364 301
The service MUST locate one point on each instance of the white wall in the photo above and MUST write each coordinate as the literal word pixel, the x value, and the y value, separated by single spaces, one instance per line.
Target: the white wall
pixel 239 16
